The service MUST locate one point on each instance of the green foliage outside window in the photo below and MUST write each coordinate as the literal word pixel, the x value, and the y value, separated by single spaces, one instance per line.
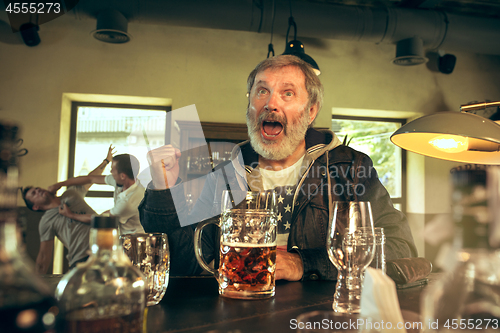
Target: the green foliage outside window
pixel 372 138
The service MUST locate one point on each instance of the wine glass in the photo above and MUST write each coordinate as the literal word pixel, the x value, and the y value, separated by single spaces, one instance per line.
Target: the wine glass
pixel 351 246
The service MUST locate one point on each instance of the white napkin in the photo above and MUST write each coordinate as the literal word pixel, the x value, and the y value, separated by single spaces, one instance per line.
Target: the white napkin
pixel 379 301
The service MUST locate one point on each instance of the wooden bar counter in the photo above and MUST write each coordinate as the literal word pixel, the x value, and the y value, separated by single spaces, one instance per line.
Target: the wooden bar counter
pixel 192 304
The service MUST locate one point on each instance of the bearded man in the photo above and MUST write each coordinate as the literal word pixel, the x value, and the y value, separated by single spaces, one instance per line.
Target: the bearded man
pixel 307 168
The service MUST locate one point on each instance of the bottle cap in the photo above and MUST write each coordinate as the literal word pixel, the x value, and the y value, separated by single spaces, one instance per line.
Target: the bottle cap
pixel 468 178
pixel 8 156
pixel 103 222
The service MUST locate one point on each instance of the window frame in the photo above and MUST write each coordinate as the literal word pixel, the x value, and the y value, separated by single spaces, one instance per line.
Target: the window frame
pixel 395 200
pixel 73 127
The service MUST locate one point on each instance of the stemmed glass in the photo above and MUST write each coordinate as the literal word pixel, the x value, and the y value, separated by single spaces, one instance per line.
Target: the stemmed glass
pixel 351 246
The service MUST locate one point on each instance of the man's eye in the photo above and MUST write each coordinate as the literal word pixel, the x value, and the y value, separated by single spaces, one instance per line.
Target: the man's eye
pixel 262 91
pixel 288 93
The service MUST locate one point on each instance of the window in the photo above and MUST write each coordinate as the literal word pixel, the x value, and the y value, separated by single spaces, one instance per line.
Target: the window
pixel 371 136
pixel 131 129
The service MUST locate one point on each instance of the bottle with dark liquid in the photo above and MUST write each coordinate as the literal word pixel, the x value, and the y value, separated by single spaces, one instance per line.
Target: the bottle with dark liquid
pixel 107 293
pixel 26 303
pixel 467 296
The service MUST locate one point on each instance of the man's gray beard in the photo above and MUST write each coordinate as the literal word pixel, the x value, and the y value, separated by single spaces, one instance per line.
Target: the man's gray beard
pixel 294 134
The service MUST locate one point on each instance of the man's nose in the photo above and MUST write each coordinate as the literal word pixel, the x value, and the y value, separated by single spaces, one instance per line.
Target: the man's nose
pixel 272 102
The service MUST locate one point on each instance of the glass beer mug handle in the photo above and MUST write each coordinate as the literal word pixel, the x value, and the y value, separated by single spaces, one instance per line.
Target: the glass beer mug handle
pixel 197 246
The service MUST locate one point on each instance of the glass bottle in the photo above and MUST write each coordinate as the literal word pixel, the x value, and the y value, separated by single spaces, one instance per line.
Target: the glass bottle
pixel 26 303
pixel 106 293
pixel 467 296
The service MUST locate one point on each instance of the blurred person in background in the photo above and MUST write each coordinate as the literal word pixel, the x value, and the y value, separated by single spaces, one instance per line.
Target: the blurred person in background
pixel 71 232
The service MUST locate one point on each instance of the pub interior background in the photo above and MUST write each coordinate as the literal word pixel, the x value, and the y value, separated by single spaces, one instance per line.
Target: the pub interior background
pixel 178 62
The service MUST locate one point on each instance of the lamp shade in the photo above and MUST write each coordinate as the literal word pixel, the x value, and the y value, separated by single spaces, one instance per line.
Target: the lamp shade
pixel 453 136
pixel 111 27
pixel 296 48
pixel 410 52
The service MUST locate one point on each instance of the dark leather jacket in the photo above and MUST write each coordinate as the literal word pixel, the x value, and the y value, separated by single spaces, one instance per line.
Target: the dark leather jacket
pixel 352 177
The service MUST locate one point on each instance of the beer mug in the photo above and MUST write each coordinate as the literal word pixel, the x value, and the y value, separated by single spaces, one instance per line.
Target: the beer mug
pixel 150 253
pixel 247 245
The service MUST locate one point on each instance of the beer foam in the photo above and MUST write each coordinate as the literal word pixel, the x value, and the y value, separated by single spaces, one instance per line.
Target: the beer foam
pixel 250 211
pixel 239 244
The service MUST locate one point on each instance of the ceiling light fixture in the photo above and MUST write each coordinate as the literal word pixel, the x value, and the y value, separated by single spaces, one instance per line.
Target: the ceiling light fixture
pixel 410 52
pixel 454 136
pixel 296 47
pixel 446 63
pixel 29 33
pixel 111 27
pixel 270 47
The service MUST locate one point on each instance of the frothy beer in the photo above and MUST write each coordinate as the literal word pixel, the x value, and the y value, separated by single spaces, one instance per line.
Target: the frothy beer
pixel 247 267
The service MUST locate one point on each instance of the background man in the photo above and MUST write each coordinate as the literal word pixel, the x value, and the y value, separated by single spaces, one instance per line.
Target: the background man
pixel 127 196
pixel 73 234
pixel 284 153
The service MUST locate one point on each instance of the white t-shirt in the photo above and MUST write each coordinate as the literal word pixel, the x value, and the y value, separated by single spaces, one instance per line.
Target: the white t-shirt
pixel 285 177
pixel 73 234
pixel 126 203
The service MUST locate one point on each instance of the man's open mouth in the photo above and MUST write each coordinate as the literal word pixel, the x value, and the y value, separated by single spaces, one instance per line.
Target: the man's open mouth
pixel 272 128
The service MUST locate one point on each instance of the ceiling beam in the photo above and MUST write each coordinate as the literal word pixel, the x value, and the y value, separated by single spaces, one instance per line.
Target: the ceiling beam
pixel 423 4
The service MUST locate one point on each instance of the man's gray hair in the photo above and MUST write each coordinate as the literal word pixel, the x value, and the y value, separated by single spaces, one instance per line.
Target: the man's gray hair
pixel 313 84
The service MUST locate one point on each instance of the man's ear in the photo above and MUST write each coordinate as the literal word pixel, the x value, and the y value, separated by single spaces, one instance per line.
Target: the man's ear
pixel 35 207
pixel 313 112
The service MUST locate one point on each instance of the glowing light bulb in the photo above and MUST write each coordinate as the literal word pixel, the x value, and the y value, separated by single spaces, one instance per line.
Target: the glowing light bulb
pixel 450 143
